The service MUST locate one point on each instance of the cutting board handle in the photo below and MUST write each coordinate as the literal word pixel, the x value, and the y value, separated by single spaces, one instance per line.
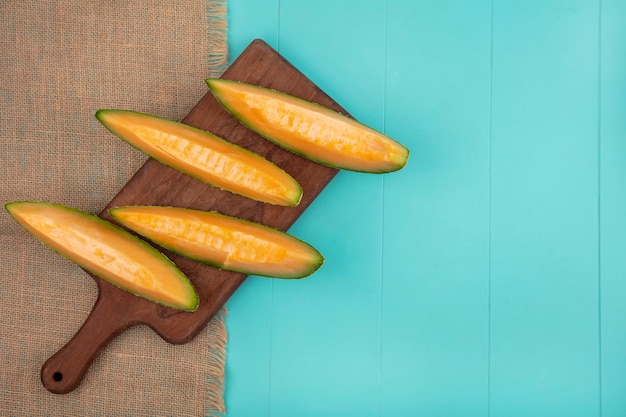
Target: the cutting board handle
pixel 63 371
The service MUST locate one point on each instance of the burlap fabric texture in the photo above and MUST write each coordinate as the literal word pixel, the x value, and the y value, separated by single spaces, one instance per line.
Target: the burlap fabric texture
pixel 60 61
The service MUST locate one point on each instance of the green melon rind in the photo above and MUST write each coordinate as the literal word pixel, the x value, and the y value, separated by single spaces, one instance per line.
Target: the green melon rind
pixel 213 84
pixel 194 300
pixel 316 263
pixel 100 116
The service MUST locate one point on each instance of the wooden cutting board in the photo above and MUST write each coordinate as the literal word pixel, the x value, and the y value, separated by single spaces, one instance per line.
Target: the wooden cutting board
pixel 116 310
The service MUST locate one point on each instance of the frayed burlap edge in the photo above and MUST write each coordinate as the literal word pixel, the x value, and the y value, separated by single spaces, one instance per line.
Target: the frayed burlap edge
pixel 218 336
pixel 217 62
pixel 218 41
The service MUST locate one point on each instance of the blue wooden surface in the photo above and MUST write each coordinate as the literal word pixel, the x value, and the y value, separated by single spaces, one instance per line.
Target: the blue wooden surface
pixel 487 278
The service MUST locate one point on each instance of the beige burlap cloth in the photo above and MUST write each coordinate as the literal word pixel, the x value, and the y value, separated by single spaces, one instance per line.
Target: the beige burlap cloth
pixel 60 61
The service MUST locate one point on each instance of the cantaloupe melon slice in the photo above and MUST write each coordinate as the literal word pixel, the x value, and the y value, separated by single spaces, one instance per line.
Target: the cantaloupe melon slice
pixel 107 251
pixel 222 241
pixel 310 130
pixel 204 156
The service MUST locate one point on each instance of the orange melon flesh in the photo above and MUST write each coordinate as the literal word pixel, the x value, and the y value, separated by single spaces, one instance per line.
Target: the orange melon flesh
pixel 204 156
pixel 222 241
pixel 310 130
pixel 107 251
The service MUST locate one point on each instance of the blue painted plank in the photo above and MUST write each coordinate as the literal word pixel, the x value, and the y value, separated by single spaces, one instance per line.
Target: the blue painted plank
pixel 544 209
pixel 613 207
pixel 435 234
pixel 247 391
pixel 249 20
pixel 430 348
pixel 247 386
pixel 325 329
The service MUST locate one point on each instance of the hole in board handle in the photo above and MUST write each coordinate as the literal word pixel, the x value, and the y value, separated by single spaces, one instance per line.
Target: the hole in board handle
pixel 57 376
